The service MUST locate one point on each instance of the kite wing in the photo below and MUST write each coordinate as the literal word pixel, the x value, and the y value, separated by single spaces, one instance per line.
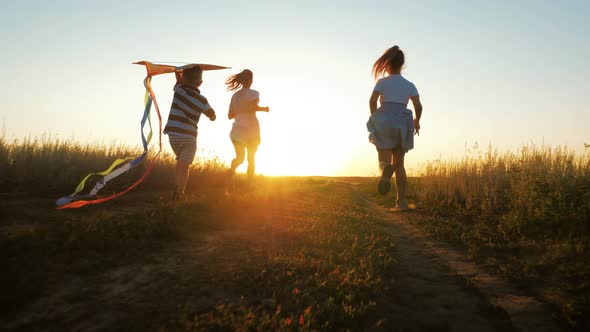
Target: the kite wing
pixel 158 68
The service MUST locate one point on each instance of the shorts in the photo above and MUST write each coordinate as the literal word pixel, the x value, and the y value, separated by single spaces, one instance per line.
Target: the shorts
pixel 241 147
pixel 184 148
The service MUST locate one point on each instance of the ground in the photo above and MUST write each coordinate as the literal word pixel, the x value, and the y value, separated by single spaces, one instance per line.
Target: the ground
pixel 283 254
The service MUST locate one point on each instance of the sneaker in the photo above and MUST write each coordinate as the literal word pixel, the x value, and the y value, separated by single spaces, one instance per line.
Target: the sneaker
pixel 398 209
pixel 385 181
pixel 176 195
pixel 402 206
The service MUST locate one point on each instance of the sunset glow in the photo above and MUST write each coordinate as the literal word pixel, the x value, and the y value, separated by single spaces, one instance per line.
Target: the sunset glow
pixel 316 78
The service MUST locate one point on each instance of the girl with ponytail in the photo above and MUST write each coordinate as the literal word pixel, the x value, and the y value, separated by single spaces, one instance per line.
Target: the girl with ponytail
pixel 245 132
pixel 392 126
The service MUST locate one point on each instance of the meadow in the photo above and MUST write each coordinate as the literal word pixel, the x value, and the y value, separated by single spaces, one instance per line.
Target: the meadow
pixel 289 262
pixel 524 213
pixel 44 165
pixel 289 253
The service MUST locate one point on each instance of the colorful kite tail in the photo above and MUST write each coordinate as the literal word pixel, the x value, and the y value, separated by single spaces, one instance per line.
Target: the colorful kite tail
pixel 121 165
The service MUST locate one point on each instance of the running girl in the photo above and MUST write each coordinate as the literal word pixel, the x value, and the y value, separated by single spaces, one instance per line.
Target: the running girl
pixel 391 126
pixel 245 132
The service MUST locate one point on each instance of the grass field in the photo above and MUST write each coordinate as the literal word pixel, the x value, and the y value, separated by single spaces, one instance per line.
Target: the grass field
pixel 284 262
pixel 45 166
pixel 526 213
pixel 284 253
pixel 270 257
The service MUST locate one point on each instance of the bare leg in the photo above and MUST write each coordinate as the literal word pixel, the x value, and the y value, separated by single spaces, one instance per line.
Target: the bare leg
pixel 181 176
pixel 251 163
pixel 385 158
pixel 237 161
pixel 240 154
pixel 400 177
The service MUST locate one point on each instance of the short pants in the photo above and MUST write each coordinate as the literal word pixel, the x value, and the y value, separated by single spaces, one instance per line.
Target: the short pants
pixel 184 148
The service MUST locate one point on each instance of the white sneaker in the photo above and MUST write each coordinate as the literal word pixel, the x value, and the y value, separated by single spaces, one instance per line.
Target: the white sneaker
pixel 402 205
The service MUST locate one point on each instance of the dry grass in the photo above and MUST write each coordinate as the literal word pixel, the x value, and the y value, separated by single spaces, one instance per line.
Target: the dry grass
pixel 527 213
pixel 271 257
pixel 43 165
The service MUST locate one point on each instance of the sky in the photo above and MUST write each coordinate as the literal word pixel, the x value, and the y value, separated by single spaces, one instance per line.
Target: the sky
pixel 499 73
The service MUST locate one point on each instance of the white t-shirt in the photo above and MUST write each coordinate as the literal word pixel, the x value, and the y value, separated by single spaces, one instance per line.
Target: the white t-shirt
pixel 395 89
pixel 241 103
pixel 245 127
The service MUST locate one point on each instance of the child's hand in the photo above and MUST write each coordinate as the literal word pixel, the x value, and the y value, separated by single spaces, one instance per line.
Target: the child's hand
pixel 266 109
pixel 210 114
pixel 178 77
pixel 416 127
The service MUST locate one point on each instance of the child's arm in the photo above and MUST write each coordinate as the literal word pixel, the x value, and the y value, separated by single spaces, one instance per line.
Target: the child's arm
pixel 230 113
pixel 210 113
pixel 418 109
pixel 179 79
pixel 373 101
pixel 256 108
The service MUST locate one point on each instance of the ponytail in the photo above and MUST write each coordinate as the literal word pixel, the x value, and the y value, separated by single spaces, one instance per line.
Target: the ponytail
pixel 239 80
pixel 391 60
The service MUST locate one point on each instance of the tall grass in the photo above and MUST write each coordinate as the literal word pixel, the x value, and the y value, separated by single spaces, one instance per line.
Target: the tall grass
pixel 526 212
pixel 44 165
pixel 527 191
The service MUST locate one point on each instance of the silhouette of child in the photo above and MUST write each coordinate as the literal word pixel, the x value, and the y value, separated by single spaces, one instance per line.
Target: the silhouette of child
pixel 245 132
pixel 391 126
pixel 187 106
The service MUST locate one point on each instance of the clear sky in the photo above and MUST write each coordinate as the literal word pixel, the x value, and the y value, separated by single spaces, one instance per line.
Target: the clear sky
pixel 505 73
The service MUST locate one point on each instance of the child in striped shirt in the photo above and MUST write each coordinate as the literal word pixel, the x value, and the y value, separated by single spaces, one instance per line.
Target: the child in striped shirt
pixel 187 106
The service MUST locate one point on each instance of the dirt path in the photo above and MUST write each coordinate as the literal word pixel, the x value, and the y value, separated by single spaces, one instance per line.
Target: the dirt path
pixel 445 283
pixel 436 288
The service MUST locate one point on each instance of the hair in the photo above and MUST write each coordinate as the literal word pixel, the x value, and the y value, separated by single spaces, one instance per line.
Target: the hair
pixel 191 73
pixel 393 59
pixel 239 80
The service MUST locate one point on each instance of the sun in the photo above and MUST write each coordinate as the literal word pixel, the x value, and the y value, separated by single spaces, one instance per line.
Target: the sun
pixel 273 159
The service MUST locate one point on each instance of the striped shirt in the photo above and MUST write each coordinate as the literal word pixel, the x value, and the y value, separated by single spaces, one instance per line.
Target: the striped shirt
pixel 186 109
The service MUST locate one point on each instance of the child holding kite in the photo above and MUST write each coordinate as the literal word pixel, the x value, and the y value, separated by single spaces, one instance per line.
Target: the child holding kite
pixel 187 106
pixel 245 132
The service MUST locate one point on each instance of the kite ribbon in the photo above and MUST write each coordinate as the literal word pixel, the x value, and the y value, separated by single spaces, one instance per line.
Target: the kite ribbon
pixel 74 201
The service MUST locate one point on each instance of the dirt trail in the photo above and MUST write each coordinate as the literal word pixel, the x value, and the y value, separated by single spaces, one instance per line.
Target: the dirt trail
pixel 445 283
pixel 438 289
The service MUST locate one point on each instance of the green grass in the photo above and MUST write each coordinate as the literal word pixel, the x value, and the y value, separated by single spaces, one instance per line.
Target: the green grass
pixel 40 253
pixel 326 266
pixel 40 244
pixel 299 261
pixel 330 270
pixel 527 213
